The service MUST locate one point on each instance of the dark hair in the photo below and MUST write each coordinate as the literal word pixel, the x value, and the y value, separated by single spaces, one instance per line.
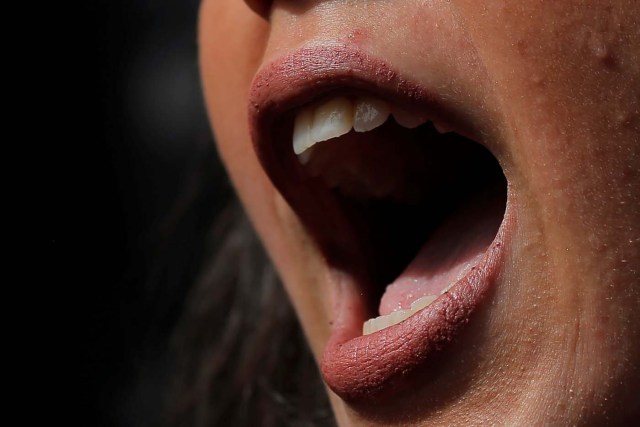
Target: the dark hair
pixel 242 359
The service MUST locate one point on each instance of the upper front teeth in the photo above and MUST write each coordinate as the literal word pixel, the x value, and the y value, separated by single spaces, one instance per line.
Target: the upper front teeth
pixel 329 120
pixel 337 116
pixel 408 119
pixel 369 113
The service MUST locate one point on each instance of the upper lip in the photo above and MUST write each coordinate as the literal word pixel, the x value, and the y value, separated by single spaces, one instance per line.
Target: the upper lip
pixel 318 68
pixel 359 368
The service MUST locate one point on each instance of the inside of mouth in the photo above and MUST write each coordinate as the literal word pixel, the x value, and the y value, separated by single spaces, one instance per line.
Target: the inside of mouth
pixel 424 206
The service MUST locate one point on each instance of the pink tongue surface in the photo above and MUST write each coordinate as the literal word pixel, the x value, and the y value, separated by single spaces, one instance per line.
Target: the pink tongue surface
pixel 449 253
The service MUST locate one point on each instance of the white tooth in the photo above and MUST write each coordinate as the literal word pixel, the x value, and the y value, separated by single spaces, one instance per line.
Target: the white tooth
pixel 368 327
pixel 371 326
pixel 332 119
pixel 445 290
pixel 421 303
pixel 369 113
pixel 381 322
pixel 408 119
pixel 302 131
pixel 399 316
pixel 305 156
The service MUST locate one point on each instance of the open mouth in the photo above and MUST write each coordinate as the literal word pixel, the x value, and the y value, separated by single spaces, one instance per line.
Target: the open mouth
pixel 424 202
pixel 394 194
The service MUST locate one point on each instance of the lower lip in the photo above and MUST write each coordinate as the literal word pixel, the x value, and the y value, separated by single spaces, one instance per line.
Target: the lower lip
pixel 373 368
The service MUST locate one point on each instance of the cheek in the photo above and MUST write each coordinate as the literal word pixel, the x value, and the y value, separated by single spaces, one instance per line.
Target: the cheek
pixel 569 75
pixel 231 41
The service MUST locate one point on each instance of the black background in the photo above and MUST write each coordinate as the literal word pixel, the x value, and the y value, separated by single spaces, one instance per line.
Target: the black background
pixel 131 186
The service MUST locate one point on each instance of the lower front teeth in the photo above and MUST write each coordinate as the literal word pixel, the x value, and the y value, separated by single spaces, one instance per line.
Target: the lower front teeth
pixel 381 322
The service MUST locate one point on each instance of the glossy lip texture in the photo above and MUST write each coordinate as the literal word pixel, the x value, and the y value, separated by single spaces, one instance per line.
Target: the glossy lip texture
pixel 360 369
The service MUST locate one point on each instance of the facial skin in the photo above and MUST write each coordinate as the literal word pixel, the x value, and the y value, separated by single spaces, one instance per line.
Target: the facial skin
pixel 556 86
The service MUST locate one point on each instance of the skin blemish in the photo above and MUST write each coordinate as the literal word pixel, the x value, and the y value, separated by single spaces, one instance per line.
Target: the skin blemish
pixel 357 36
pixel 601 50
pixel 522 47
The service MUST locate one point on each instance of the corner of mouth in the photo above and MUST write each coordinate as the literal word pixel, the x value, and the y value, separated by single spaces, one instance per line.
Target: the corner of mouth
pixel 371 368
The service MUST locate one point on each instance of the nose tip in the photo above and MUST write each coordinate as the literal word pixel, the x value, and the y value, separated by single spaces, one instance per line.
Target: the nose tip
pixel 261 7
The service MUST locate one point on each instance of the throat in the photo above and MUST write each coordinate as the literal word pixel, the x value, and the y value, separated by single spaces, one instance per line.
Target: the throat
pixel 449 253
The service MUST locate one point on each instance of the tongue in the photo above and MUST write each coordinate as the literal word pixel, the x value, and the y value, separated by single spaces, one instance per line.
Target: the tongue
pixel 449 253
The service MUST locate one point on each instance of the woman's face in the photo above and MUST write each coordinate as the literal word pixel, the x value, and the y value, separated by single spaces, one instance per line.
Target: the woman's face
pixel 523 223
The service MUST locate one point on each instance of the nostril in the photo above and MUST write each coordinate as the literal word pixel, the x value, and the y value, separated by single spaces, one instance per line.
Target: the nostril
pixel 261 7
